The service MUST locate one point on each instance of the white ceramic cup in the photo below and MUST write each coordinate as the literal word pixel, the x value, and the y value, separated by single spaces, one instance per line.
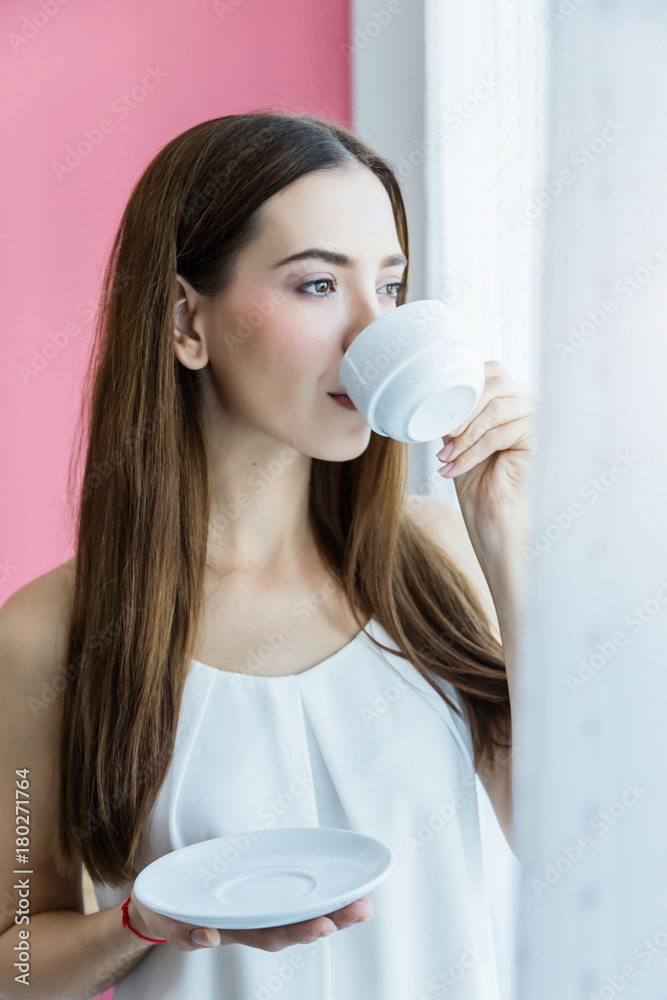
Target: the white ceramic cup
pixel 412 374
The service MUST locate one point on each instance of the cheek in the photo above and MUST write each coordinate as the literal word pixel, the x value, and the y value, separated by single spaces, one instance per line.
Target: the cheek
pixel 274 371
pixel 279 352
pixel 290 346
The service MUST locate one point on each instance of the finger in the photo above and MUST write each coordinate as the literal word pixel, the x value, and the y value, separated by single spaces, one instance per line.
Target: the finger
pixel 360 909
pixel 509 390
pixel 307 931
pixel 498 410
pixel 497 382
pixel 513 434
pixel 205 937
pixel 277 938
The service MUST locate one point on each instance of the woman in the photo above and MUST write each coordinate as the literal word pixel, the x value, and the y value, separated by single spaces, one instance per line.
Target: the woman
pixel 258 628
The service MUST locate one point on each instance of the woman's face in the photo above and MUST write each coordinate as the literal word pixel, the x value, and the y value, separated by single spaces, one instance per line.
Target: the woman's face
pixel 276 336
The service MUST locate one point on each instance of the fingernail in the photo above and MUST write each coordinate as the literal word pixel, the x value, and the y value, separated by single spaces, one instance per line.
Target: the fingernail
pixel 331 930
pixel 447 450
pixel 201 936
pixel 367 912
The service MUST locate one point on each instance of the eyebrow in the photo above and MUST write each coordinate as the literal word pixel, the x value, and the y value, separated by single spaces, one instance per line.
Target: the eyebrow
pixel 339 258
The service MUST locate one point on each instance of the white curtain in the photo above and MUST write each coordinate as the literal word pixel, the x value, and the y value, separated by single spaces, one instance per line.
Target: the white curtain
pixel 483 155
pixel 485 74
pixel 591 772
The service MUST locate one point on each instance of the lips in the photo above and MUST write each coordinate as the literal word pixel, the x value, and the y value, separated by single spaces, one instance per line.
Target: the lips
pixel 343 400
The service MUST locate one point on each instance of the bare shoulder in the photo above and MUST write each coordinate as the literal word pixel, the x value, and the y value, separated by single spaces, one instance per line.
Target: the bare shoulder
pixel 33 627
pixel 444 524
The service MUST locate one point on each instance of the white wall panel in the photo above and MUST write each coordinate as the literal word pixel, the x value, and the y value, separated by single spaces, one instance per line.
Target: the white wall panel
pixel 591 782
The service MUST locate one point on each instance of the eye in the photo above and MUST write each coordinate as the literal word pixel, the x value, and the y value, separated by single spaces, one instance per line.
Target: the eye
pixel 316 281
pixel 399 287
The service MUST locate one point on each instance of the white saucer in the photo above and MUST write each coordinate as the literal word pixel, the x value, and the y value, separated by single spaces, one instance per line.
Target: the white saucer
pixel 265 878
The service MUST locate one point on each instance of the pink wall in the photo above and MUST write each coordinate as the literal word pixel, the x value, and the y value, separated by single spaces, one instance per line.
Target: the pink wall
pixel 152 69
pixel 68 64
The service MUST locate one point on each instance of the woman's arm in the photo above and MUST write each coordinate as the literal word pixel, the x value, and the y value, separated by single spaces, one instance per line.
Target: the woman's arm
pixel 505 573
pixel 68 952
pixel 489 457
pixel 445 526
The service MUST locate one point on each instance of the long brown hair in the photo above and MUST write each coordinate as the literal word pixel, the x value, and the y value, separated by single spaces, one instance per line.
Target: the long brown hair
pixel 142 517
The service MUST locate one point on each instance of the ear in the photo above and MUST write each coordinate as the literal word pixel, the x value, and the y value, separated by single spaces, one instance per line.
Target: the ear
pixel 189 337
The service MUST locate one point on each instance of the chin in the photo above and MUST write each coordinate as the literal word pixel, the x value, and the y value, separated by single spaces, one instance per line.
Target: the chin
pixel 346 446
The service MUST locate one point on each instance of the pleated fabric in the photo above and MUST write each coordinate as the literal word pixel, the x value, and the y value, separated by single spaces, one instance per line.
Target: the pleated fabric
pixel 358 742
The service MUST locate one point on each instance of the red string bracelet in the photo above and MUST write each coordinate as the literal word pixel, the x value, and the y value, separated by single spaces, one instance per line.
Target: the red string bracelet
pixel 126 923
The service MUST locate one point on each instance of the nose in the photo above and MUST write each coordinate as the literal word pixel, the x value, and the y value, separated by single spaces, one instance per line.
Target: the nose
pixel 365 311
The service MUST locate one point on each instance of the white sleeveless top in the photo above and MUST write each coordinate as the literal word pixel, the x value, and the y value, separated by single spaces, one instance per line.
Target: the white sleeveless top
pixel 358 742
